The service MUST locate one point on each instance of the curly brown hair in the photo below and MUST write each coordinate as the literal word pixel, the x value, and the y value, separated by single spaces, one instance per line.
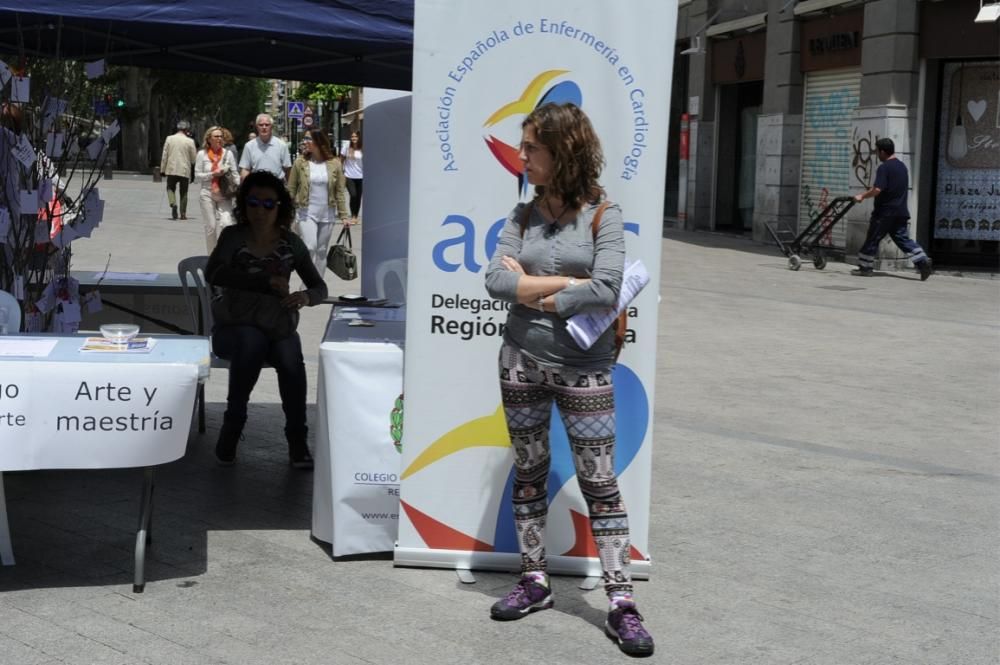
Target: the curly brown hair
pixel 577 158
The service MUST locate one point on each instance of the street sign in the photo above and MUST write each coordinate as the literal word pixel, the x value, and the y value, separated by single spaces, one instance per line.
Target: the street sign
pixel 296 109
pixel 307 121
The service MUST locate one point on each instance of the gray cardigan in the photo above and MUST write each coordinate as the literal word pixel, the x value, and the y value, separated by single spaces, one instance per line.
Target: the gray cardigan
pixel 571 250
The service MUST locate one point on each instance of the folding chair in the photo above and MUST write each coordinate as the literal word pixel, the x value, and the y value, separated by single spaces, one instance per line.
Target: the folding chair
pixel 192 273
pixel 9 303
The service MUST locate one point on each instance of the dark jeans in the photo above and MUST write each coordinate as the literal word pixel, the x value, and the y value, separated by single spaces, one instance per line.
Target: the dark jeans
pixel 895 228
pixel 247 349
pixel 173 181
pixel 354 188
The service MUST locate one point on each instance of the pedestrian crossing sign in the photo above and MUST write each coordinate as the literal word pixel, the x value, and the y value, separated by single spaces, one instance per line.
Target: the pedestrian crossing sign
pixel 296 109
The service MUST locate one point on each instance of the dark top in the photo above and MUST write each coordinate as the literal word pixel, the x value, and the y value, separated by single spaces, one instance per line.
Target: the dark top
pixel 894 181
pixel 233 267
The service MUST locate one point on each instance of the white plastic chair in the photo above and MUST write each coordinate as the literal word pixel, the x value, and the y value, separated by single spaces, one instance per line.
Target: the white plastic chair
pixel 13 308
pixel 192 273
pixel 390 280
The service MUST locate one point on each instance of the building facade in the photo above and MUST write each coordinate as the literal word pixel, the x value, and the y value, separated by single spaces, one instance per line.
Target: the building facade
pixel 786 98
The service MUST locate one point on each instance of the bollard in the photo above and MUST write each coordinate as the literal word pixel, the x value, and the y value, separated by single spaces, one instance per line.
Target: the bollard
pixel 157 177
pixel 108 172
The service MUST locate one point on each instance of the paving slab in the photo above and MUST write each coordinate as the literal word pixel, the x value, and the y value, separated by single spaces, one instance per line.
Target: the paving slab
pixel 826 492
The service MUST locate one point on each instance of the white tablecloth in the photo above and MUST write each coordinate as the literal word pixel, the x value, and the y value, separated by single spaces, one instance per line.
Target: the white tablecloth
pixel 356 481
pixel 73 410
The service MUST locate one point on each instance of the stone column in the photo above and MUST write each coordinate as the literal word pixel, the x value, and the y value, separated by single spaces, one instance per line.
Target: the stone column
pixel 700 163
pixel 779 129
pixel 888 107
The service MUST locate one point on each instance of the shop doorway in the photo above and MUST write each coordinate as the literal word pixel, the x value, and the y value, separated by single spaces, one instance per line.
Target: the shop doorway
pixel 736 172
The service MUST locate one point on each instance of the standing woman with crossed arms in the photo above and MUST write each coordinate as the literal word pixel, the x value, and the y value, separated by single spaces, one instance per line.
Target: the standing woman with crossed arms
pixel 551 263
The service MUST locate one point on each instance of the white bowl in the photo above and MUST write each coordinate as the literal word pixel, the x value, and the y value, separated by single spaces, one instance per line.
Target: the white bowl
pixel 120 333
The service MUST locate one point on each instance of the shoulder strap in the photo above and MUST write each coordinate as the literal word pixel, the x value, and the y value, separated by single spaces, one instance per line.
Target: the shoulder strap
pixel 596 223
pixel 525 214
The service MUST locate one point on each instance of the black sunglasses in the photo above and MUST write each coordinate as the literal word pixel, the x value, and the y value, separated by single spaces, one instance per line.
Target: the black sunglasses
pixel 269 204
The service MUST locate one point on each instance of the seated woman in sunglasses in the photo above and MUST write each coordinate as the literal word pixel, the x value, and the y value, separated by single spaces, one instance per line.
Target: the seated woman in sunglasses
pixel 256 316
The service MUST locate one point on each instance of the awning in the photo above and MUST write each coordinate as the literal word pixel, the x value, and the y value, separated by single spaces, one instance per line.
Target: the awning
pixel 361 42
pixel 745 23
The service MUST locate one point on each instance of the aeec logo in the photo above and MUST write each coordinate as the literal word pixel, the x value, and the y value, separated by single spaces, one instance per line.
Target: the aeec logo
pixel 532 97
pixel 508 119
pixel 505 121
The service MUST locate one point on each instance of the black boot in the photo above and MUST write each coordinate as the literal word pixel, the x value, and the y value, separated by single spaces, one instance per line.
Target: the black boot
pixel 298 451
pixel 229 438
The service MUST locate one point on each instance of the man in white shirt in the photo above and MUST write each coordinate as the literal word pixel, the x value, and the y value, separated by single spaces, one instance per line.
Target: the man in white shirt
pixel 266 152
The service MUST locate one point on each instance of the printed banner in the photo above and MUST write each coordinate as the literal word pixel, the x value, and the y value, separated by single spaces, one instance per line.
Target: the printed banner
pixel 478 71
pixel 94 415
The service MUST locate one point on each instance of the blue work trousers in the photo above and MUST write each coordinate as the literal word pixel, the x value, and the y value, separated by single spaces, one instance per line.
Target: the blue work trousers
pixel 897 229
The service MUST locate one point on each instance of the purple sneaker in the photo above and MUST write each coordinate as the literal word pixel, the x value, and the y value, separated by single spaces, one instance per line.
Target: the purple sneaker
pixel 624 625
pixel 526 597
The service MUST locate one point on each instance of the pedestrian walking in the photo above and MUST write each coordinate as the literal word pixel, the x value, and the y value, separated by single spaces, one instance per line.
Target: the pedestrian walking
pixel 316 184
pixel 891 216
pixel 177 163
pixel 550 264
pixel 215 169
pixel 354 172
pixel 266 152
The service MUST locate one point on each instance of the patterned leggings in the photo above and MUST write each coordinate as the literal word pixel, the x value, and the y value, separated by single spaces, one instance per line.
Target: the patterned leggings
pixel 587 405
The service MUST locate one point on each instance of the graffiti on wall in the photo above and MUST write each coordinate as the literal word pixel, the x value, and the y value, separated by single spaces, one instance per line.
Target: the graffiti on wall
pixel 968 181
pixel 865 161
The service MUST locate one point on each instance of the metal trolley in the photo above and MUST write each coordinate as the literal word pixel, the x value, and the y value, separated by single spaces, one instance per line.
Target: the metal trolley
pixel 806 243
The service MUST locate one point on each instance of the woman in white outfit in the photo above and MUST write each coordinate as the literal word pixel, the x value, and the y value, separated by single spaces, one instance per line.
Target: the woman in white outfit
pixel 213 165
pixel 316 183
pixel 354 172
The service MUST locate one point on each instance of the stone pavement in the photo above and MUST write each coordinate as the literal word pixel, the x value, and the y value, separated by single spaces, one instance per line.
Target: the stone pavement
pixel 826 492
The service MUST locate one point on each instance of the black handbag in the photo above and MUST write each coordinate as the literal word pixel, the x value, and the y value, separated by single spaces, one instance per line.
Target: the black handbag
pixel 341 259
pixel 227 187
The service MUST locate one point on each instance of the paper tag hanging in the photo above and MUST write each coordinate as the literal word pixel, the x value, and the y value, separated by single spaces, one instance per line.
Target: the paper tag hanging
pixel 28 199
pixel 95 148
pixel 92 300
pixel 54 144
pixel 20 89
pixel 94 69
pixel 24 152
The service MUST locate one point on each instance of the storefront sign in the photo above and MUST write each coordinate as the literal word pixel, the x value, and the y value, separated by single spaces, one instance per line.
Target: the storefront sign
pixel 832 42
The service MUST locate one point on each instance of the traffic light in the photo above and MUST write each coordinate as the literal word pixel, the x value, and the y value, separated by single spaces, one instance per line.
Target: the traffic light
pixel 120 100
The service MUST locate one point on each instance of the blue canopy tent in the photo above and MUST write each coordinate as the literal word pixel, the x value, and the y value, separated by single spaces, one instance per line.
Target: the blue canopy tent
pixel 357 42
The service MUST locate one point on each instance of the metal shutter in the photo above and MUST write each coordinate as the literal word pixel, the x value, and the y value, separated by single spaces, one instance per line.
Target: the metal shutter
pixel 831 97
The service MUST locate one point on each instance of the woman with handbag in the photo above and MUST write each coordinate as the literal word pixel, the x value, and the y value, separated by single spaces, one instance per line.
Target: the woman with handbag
pixel 316 184
pixel 256 316
pixel 559 254
pixel 215 169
